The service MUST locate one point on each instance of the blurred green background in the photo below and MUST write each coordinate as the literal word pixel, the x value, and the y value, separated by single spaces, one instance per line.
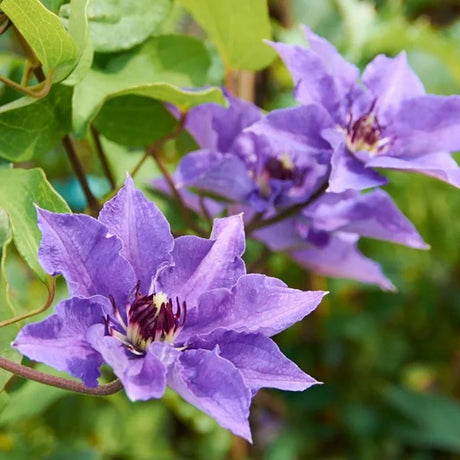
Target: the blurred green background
pixel 390 363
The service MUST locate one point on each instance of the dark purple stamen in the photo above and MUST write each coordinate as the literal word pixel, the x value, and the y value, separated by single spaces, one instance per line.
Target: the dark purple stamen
pixel 149 318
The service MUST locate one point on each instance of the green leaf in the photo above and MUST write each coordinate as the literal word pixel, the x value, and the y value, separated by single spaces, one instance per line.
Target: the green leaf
pixel 435 419
pixel 134 120
pixel 32 398
pixel 20 190
pixel 238 28
pixel 8 333
pixel 121 24
pixel 31 127
pixel 157 70
pixel 79 30
pixel 45 34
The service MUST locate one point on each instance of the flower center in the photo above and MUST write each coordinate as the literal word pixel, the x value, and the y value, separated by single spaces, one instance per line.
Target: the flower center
pixel 281 168
pixel 149 318
pixel 365 134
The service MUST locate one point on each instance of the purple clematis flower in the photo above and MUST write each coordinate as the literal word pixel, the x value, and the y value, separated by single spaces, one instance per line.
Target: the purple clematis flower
pixel 386 121
pixel 247 169
pixel 324 236
pixel 162 311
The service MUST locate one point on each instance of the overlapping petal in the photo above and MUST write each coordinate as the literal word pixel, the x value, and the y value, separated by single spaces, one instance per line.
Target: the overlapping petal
pixel 342 259
pixel 214 385
pixel 391 80
pixel 201 265
pixel 216 127
pixel 223 174
pixel 137 222
pixel 80 248
pixel 439 165
pixel 373 215
pixel 349 173
pixel 258 358
pixel 257 303
pixel 299 128
pixel 143 377
pixel 60 340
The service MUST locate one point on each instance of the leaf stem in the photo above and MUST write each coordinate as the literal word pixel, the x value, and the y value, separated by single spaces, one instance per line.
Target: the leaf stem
pixel 37 91
pixel 59 382
pixel 139 164
pixel 51 292
pixel 177 197
pixel 258 223
pixel 93 203
pixel 102 156
pixel 154 151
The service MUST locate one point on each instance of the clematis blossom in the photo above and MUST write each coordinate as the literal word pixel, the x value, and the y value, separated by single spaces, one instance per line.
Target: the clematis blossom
pixel 324 236
pixel 385 120
pixel 162 311
pixel 245 168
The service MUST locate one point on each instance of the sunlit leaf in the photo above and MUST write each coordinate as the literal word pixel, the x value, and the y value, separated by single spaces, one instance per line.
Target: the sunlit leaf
pixel 238 28
pixel 45 34
pixel 161 69
pixel 20 190
pixel 121 24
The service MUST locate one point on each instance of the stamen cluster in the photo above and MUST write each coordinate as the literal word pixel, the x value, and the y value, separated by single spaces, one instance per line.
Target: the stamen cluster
pixel 365 134
pixel 149 318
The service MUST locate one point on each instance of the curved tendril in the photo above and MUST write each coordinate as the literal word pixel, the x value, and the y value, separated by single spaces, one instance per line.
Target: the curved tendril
pixel 51 285
pixel 60 382
pixel 37 91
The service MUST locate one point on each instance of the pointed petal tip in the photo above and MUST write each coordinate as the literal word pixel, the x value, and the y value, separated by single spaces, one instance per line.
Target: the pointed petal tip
pixel 129 183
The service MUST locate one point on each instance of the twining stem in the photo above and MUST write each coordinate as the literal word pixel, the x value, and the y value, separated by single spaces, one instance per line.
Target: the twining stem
pixel 154 151
pixel 102 156
pixel 139 165
pixel 93 203
pixel 258 222
pixel 158 144
pixel 45 83
pixel 59 382
pixel 37 91
pixel 177 197
pixel 51 292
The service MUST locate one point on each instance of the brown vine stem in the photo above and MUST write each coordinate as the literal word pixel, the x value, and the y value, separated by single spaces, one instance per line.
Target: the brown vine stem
pixel 154 151
pixel 37 91
pixel 51 285
pixel 139 165
pixel 93 203
pixel 257 222
pixel 59 382
pixel 102 156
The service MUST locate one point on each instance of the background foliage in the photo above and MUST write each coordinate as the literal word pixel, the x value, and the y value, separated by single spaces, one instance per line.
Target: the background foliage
pixel 390 363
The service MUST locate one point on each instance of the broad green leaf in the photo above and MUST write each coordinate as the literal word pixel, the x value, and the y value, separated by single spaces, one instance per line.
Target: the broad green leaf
pixel 32 398
pixel 238 28
pixel 121 24
pixel 79 30
pixel 20 190
pixel 30 127
pixel 435 419
pixel 7 334
pixel 158 69
pixel 134 120
pixel 45 34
